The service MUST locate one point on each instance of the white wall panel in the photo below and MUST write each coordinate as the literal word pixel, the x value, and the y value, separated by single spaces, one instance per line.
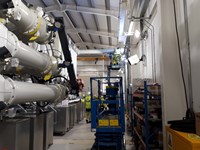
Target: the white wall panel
pixel 194 30
pixel 173 92
pixel 167 64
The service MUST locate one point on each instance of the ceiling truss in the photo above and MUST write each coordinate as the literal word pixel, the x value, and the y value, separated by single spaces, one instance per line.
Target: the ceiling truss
pixel 81 9
pixel 93 32
pixel 79 32
pixel 82 44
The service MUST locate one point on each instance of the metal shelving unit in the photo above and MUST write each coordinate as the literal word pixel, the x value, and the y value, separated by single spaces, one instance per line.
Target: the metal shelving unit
pixel 145 128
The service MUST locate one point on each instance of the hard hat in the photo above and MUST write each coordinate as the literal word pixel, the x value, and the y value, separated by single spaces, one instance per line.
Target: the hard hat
pixel 88 93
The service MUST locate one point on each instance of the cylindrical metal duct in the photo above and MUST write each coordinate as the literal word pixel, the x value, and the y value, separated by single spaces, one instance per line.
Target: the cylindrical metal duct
pixel 35 62
pixel 31 58
pixel 28 21
pixel 15 92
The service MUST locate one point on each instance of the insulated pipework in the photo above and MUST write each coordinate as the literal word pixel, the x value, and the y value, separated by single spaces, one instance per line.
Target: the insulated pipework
pixel 29 21
pixel 33 62
pixel 15 92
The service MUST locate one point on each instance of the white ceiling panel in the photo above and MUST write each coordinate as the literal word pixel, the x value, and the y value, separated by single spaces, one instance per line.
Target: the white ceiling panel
pixel 83 3
pixel 91 47
pixel 74 38
pixel 89 21
pixel 76 19
pixel 99 4
pixel 67 23
pixel 95 39
pixel 49 2
pixel 114 41
pixel 68 2
pixel 102 23
pixel 82 47
pixel 114 25
pixel 105 40
pixel 85 37
pixel 57 14
pixel 114 4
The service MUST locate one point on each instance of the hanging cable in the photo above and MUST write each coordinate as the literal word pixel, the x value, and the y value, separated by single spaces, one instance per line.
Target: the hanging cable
pixel 59 76
pixel 179 52
pixel 47 49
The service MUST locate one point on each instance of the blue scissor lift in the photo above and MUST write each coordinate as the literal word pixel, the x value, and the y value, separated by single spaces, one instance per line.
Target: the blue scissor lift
pixel 108 121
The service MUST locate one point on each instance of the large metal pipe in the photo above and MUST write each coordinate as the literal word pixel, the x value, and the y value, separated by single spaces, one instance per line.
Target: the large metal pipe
pixel 35 62
pixel 15 92
pixel 28 20
pixel 190 89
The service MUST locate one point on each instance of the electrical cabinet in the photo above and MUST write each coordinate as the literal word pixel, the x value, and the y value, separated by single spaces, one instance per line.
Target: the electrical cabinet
pixel 62 120
pixel 15 134
pixel 48 129
pixel 36 131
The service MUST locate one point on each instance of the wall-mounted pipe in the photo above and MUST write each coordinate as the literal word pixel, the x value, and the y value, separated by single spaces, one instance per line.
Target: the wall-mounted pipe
pixel 151 28
pixel 190 93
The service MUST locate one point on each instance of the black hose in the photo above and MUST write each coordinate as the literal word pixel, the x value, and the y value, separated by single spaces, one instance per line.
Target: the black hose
pixel 42 104
pixel 59 76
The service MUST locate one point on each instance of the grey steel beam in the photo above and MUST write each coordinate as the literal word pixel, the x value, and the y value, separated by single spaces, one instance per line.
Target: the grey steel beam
pixel 81 9
pixel 95 51
pixel 92 32
pixel 98 45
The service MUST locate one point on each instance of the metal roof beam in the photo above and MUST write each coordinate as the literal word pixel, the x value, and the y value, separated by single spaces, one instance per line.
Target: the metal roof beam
pixel 94 44
pixel 97 45
pixel 91 59
pixel 81 9
pixel 67 17
pixel 95 51
pixel 92 32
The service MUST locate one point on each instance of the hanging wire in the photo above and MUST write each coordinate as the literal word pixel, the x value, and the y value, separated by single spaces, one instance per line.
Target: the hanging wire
pixel 179 52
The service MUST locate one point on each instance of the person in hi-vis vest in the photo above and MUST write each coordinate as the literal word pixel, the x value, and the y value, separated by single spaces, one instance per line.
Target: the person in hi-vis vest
pixel 88 107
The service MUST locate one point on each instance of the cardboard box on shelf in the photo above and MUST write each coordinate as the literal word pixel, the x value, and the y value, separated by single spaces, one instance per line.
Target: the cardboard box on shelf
pixel 154 89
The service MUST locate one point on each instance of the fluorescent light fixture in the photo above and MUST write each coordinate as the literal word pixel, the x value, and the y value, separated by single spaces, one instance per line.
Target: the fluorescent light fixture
pixel 129 33
pixel 130 28
pixel 137 33
pixel 133 60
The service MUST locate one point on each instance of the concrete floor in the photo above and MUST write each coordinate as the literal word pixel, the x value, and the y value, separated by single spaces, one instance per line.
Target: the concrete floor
pixel 80 138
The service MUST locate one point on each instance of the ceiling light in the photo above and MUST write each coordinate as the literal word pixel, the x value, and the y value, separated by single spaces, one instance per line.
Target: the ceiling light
pixel 133 59
pixel 130 29
pixel 137 33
